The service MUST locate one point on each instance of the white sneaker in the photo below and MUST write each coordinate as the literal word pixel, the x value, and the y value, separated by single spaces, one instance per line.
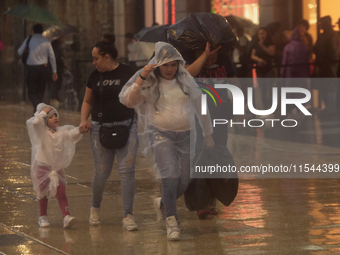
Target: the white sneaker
pixel 129 223
pixel 94 216
pixel 43 222
pixel 172 229
pixel 159 212
pixel 69 221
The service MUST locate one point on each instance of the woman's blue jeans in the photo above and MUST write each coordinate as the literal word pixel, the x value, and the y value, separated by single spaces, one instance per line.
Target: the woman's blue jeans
pixel 103 161
pixel 172 158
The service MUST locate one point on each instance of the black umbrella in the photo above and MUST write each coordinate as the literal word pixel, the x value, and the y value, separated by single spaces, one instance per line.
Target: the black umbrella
pixel 152 34
pixel 237 21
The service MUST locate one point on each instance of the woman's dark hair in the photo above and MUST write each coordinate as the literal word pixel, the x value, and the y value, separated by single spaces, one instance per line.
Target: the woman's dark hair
pixel 265 29
pixel 156 91
pixel 304 23
pixel 38 29
pixel 269 38
pixel 107 46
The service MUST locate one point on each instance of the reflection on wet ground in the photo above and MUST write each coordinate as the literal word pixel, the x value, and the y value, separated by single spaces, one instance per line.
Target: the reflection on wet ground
pixel 268 216
pixel 309 129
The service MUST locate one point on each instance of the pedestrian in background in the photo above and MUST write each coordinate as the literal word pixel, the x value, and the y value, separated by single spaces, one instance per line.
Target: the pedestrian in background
pixel 263 55
pixel 135 52
pixel 327 53
pixel 296 56
pixel 56 86
pixel 40 53
pixel 307 37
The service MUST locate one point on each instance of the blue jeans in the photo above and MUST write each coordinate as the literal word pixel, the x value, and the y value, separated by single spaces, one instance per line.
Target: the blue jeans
pixel 172 158
pixel 103 161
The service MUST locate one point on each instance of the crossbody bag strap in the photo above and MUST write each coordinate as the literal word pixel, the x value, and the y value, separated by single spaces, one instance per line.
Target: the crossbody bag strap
pixel 100 114
pixel 28 41
pixel 133 116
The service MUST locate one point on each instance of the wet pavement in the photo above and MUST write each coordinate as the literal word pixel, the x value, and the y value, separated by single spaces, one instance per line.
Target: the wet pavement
pixel 268 216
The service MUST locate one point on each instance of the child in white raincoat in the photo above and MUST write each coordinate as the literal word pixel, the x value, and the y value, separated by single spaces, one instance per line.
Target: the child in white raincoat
pixel 53 148
pixel 162 93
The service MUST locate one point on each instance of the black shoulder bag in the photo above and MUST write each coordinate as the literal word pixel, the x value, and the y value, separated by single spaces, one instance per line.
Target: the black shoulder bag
pixel 24 56
pixel 115 137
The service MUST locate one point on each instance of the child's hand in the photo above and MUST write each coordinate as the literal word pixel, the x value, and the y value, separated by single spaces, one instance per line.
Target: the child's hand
pixel 47 109
pixel 84 127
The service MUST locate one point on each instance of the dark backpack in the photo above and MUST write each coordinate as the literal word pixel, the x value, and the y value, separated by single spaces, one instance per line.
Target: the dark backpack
pixel 24 56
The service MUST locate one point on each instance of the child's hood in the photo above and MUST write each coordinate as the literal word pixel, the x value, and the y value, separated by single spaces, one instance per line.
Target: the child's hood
pixel 41 106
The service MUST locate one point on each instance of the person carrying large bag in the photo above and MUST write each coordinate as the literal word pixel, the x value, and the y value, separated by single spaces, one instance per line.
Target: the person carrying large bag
pixel 202 191
pixel 206 41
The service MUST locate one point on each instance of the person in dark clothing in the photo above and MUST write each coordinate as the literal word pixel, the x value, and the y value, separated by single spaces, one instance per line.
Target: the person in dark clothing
pixel 338 95
pixel 278 38
pixel 239 54
pixel 307 40
pixel 208 66
pixel 60 61
pixel 338 64
pixel 40 53
pixel 262 54
pixel 327 53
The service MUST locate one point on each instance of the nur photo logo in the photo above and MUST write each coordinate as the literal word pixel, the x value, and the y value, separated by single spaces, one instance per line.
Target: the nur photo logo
pixel 204 97
pixel 239 104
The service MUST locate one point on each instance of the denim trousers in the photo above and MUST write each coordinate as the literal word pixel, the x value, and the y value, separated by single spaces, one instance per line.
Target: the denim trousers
pixel 172 158
pixel 103 161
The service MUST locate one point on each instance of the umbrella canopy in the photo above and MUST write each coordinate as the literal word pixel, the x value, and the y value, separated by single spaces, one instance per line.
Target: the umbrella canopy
pixel 152 34
pixel 34 13
pixel 237 21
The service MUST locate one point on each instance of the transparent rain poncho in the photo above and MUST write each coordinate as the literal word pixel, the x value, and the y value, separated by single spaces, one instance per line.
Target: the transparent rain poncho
pixel 162 107
pixel 51 152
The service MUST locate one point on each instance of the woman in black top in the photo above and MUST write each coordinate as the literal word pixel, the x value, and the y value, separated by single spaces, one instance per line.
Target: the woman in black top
pixel 111 112
pixel 263 55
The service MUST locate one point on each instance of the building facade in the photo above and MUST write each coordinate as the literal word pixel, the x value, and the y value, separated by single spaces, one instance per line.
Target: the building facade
pixel 95 17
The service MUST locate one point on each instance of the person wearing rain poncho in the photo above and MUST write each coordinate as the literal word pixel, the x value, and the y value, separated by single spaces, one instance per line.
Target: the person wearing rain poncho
pixel 162 94
pixel 53 148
